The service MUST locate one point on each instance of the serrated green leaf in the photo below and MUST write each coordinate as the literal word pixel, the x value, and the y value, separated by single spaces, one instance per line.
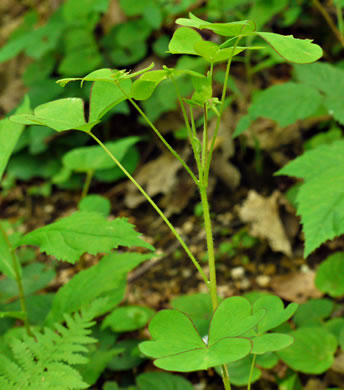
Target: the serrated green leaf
pixel 285 104
pixel 106 279
pixel 275 315
pixel 299 51
pixel 312 351
pixel 320 199
pixel 93 158
pixel 321 75
pixel 60 115
pixel 9 135
pixel 270 342
pixel 330 275
pixel 83 232
pixel 128 318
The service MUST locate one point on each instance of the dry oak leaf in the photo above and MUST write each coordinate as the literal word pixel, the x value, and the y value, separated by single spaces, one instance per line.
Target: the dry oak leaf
pixel 263 216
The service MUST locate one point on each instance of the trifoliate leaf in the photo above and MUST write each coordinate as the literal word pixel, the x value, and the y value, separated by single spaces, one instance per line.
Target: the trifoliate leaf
pixel 330 275
pixel 312 351
pixel 275 315
pixel 321 198
pixel 177 345
pixel 83 232
pixel 299 51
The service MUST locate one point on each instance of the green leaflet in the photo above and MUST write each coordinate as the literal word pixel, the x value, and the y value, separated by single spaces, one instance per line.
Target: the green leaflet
pixel 9 135
pixel 312 352
pixel 299 51
pixel 320 199
pixel 70 237
pixel 275 314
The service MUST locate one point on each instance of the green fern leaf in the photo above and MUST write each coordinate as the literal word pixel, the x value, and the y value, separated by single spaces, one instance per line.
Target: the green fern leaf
pixel 45 360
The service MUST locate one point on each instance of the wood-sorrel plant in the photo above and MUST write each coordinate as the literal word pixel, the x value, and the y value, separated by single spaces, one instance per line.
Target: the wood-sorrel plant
pixel 237 328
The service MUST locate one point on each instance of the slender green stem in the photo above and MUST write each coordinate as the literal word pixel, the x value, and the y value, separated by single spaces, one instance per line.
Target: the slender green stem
pixel 191 132
pixel 218 122
pixel 157 132
pixel 210 245
pixel 87 183
pixel 205 139
pixel 340 19
pixel 154 205
pixel 251 372
pixel 195 143
pixel 16 268
pixel 225 378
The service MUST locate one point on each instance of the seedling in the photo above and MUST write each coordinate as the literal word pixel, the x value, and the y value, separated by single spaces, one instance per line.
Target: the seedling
pixel 237 328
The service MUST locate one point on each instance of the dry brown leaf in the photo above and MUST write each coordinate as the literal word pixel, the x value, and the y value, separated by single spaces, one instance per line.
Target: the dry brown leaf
pixel 296 287
pixel 265 222
pixel 157 177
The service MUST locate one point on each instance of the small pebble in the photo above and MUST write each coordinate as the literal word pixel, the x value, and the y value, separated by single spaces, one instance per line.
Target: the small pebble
pixel 263 280
pixel 48 208
pixel 238 273
pixel 245 284
pixel 188 227
pixel 186 272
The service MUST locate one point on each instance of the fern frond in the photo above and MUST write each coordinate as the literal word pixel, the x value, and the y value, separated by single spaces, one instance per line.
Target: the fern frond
pixel 43 362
